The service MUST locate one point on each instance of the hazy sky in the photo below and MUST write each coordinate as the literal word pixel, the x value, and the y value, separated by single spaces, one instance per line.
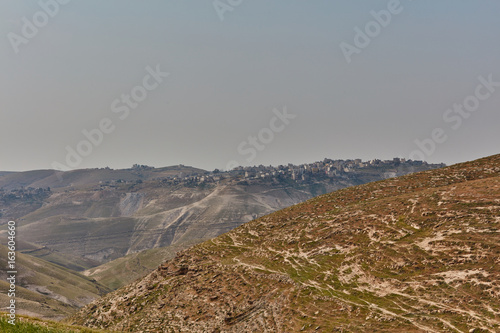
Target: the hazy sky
pixel 348 79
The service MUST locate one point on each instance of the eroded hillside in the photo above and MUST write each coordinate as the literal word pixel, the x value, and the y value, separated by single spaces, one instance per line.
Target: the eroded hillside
pixel 46 290
pixel 418 253
pixel 99 215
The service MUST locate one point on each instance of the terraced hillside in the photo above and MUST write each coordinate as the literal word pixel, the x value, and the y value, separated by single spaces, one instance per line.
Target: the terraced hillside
pixel 419 253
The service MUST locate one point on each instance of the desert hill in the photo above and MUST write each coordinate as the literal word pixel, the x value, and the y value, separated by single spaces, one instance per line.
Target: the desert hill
pixel 418 253
pixel 98 215
pixel 44 289
pixel 115 226
pixel 86 177
pixel 122 271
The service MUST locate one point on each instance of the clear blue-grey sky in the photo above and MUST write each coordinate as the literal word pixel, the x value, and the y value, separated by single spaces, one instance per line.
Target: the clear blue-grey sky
pixel 347 80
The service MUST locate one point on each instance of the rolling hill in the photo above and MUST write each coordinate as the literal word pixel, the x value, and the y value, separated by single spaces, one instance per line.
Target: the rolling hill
pixel 122 271
pixel 418 253
pixel 45 289
pixel 94 216
pixel 116 226
pixel 87 177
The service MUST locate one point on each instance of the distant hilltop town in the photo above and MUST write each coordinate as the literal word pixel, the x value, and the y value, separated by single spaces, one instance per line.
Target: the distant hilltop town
pixel 328 168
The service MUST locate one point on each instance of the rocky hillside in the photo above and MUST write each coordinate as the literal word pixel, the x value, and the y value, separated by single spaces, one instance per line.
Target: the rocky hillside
pixel 124 270
pixel 88 220
pixel 98 215
pixel 419 253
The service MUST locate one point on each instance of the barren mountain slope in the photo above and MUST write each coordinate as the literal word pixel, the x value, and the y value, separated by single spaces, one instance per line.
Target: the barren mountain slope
pixel 99 215
pixel 105 225
pixel 418 253
pixel 122 271
pixel 46 290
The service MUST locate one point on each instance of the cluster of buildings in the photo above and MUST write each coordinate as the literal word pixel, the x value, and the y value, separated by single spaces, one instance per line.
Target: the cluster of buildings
pixel 304 172
pixel 23 193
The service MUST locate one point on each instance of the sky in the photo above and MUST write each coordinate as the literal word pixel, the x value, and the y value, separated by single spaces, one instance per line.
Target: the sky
pixel 216 84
